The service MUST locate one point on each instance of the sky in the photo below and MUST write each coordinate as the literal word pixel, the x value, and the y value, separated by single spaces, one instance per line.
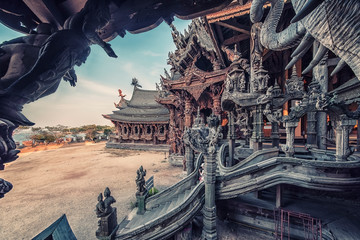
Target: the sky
pixel 143 56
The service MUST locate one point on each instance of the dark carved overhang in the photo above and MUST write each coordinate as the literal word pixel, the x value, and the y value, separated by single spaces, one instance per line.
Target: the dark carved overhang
pixel 126 15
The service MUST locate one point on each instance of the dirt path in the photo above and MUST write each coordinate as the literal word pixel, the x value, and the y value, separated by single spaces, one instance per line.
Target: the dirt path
pixel 68 180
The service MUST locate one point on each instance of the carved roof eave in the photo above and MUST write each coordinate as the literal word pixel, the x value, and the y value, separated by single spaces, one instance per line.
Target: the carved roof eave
pixel 232 11
pixel 168 100
pixel 197 84
pixel 140 122
pixel 202 78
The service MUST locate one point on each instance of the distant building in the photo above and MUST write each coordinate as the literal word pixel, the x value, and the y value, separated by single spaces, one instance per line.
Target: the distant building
pixel 139 121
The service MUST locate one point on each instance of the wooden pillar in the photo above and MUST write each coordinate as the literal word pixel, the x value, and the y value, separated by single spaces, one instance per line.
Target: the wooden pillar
pixel 290 137
pixel 188 112
pixel 275 138
pixel 217 105
pixel 320 74
pixel 231 138
pixel 279 198
pixel 343 128
pixel 257 136
pixel 311 129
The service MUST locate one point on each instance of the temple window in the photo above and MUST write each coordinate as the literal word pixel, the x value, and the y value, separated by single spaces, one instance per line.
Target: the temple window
pixel 162 129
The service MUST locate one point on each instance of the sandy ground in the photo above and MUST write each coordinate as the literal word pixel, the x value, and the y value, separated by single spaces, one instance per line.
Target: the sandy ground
pixel 68 180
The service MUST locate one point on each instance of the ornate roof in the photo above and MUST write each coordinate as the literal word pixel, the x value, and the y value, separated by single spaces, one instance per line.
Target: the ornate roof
pixel 142 108
pixel 194 48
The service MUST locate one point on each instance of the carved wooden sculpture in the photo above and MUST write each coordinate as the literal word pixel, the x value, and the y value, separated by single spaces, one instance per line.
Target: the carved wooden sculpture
pixel 335 24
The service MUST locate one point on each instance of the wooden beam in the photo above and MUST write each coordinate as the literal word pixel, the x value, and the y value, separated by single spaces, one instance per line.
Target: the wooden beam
pixel 233 26
pixel 267 53
pixel 235 39
pixel 219 33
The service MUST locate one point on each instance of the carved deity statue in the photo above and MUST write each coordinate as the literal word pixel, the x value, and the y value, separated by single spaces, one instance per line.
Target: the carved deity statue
pixel 106 213
pixel 100 207
pixel 103 207
pixel 140 181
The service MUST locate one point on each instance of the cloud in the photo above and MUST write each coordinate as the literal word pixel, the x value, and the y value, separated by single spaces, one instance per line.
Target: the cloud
pixel 151 53
pixel 95 87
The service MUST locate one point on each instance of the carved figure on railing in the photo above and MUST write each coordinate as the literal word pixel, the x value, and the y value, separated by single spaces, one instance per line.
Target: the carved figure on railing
pixel 108 200
pixel 100 207
pixel 103 207
pixel 140 181
pixel 106 213
pixel 242 121
pixel 203 138
pixel 273 115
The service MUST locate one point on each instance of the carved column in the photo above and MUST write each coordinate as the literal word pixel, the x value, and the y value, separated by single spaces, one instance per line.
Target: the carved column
pixel 257 136
pixel 216 91
pixel 205 139
pixel 188 111
pixel 217 105
pixel 255 53
pixel 172 125
pixel 231 138
pixel 189 159
pixel 275 134
pixel 209 210
pixel 311 129
pixel 290 137
pixel 320 73
pixel 343 129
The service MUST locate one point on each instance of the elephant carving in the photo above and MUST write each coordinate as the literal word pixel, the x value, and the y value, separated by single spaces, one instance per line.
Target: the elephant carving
pixel 335 24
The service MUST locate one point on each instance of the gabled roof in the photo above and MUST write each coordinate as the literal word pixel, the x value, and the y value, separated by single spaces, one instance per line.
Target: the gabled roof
pixel 59 230
pixel 142 108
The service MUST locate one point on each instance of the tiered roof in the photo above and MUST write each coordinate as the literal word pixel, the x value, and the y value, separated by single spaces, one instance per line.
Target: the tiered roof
pixel 142 108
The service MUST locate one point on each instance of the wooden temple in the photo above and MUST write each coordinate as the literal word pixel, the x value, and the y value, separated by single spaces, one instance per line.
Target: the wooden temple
pixel 225 45
pixel 195 81
pixel 140 120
